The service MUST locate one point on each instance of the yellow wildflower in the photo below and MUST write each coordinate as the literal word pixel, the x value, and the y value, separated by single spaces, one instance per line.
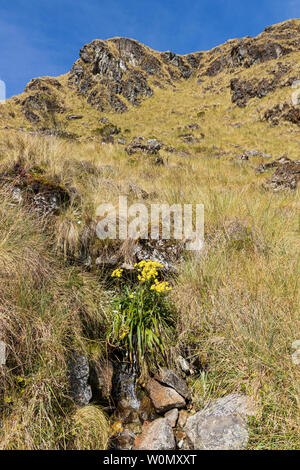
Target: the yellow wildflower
pixel 161 286
pixel 148 270
pixel 117 273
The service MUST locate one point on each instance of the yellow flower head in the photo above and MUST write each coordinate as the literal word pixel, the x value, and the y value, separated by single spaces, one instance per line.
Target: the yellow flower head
pixel 117 273
pixel 148 270
pixel 161 286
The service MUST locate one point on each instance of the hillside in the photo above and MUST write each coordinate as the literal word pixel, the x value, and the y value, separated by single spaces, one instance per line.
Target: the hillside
pixel 219 128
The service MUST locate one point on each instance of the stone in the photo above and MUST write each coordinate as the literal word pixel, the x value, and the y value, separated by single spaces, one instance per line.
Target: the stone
pixel 2 353
pixel 74 117
pixel 104 120
pixel 184 365
pixel 45 197
pixel 234 403
pixel 172 417
pixel 79 375
pixel 286 177
pixel 164 398
pixel 296 357
pixel 157 435
pixel 170 378
pixel 182 418
pixel 167 252
pixel 125 440
pixel 296 353
pixel 256 153
pixel 124 390
pixel 221 425
pixel 217 432
pixel 139 144
pixel 296 98
pixel 295 84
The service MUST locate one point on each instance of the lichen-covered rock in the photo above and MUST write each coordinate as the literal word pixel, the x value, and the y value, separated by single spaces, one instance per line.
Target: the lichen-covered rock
pixel 79 376
pixel 124 389
pixel 164 398
pixel 296 354
pixel 166 252
pixel 221 425
pixel 139 144
pixel 44 196
pixel 282 112
pixel 217 432
pixel 244 90
pixel 157 435
pixel 286 176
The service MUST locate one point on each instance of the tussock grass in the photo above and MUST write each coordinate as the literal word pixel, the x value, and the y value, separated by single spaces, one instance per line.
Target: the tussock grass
pixel 90 429
pixel 238 305
pixel 47 310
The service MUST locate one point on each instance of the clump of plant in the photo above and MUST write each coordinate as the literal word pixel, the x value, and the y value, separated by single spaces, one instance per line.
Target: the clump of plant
pixel 142 314
pixel 107 130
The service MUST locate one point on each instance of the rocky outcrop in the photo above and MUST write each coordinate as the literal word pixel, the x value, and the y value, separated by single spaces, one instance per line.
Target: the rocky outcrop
pixel 286 176
pixel 272 44
pixel 42 97
pixel 251 51
pixel 243 90
pixel 139 144
pixel 45 197
pixel 282 112
pixel 119 71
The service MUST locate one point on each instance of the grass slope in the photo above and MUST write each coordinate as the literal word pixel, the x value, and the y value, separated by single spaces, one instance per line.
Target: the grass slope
pixel 238 308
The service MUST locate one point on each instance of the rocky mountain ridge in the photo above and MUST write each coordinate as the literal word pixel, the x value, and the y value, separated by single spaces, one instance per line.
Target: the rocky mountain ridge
pixel 115 74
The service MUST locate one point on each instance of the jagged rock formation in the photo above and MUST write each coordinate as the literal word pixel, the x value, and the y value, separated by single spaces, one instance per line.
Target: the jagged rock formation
pixel 117 73
pixel 121 70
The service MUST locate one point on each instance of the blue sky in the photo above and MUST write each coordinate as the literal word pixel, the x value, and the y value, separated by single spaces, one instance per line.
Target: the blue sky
pixel 43 37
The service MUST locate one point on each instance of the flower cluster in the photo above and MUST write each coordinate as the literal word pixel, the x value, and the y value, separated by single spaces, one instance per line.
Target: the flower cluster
pixel 148 270
pixel 117 273
pixel 160 286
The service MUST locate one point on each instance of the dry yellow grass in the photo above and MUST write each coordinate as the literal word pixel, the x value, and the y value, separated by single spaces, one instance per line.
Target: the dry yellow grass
pixel 238 306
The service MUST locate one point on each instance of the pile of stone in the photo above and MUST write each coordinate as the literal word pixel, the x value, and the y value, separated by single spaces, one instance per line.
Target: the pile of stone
pixel 220 426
